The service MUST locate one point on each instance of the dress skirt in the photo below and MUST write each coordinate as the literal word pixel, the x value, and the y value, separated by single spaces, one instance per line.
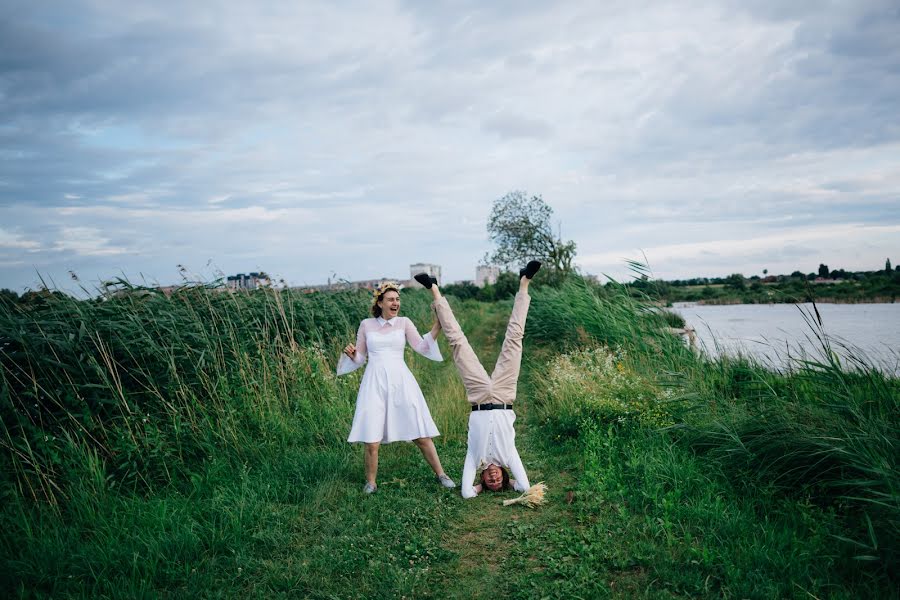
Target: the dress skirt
pixel 390 406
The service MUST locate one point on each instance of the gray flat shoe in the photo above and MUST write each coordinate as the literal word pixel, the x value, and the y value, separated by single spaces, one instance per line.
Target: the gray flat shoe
pixel 446 482
pixel 369 488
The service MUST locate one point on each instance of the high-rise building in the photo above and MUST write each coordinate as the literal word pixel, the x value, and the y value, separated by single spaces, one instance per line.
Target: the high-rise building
pixel 433 270
pixel 246 282
pixel 485 274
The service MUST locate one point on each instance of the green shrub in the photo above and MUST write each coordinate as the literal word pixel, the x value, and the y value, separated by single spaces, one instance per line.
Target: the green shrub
pixel 581 313
pixel 595 385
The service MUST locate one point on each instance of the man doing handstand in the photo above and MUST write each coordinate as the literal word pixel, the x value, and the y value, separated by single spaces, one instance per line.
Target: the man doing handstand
pixel 492 439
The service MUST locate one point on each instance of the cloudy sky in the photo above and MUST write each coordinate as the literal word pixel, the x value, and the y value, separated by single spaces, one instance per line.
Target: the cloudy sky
pixel 341 139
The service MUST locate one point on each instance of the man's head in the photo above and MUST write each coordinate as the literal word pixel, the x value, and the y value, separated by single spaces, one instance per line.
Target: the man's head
pixel 495 478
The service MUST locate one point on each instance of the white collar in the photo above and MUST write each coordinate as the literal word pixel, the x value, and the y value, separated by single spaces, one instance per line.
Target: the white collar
pixel 382 321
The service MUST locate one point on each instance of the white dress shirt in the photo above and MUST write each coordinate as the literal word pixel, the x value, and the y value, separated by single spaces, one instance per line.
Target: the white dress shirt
pixel 492 440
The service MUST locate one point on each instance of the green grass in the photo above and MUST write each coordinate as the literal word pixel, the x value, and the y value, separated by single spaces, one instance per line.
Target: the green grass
pixel 669 476
pixel 295 525
pixel 272 507
pixel 803 465
pixel 649 519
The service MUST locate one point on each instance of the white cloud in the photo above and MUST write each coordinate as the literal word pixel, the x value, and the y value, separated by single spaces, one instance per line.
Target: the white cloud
pixel 86 241
pixel 9 239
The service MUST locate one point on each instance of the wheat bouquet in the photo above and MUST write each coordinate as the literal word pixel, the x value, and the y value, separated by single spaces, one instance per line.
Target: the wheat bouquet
pixel 533 496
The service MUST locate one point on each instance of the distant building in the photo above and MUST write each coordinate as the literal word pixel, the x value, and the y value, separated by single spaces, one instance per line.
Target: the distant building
pixel 365 284
pixel 485 274
pixel 433 270
pixel 250 281
pixel 371 284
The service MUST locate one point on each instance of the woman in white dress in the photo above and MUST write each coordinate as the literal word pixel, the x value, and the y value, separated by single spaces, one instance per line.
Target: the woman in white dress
pixel 390 406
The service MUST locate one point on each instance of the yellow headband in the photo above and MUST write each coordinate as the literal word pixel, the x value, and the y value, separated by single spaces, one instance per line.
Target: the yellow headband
pixel 381 289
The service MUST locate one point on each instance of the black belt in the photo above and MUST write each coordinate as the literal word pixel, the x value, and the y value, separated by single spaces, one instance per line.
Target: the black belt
pixel 491 407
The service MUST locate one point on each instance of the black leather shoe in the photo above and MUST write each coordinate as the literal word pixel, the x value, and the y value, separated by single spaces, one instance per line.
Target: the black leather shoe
pixel 426 280
pixel 530 269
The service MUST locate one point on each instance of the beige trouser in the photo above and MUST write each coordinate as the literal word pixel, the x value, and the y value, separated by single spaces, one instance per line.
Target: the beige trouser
pixel 500 387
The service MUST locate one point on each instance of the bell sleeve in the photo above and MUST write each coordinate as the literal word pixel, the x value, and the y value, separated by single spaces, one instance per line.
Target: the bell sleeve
pixel 348 365
pixel 426 346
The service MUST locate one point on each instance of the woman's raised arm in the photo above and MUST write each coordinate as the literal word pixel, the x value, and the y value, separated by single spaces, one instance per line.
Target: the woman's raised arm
pixel 426 346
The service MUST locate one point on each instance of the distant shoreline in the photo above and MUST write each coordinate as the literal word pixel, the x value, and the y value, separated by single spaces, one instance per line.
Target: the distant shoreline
pixel 735 301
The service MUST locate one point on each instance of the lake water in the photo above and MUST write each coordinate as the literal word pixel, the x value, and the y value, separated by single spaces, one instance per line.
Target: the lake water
pixel 778 333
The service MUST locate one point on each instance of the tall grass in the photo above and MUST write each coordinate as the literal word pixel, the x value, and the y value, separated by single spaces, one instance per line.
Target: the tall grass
pixel 824 431
pixel 176 444
pixel 150 384
pixel 194 445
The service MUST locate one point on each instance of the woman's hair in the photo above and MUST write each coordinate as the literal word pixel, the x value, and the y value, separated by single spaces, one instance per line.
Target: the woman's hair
pixel 379 296
pixel 506 485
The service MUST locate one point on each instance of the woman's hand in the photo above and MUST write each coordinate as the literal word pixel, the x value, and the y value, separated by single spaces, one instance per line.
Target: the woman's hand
pixel 435 328
pixel 350 350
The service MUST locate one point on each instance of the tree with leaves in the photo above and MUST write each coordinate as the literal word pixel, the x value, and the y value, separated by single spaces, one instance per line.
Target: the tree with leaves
pixel 521 227
pixel 9 295
pixel 736 281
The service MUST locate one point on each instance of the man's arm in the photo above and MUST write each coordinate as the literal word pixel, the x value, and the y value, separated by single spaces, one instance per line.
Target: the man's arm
pixel 469 490
pixel 518 477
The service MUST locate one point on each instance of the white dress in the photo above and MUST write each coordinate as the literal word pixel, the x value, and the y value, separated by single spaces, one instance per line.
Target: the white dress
pixel 390 406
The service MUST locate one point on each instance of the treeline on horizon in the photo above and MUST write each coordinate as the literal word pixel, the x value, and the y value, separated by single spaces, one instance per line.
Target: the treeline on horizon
pixel 823 272
pixel 823 285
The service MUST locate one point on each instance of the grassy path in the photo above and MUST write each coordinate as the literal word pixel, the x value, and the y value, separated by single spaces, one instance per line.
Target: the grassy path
pixel 486 537
pixel 575 546
pixel 477 537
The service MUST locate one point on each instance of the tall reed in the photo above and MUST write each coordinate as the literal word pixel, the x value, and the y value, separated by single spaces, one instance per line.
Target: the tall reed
pixel 829 429
pixel 196 445
pixel 151 384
